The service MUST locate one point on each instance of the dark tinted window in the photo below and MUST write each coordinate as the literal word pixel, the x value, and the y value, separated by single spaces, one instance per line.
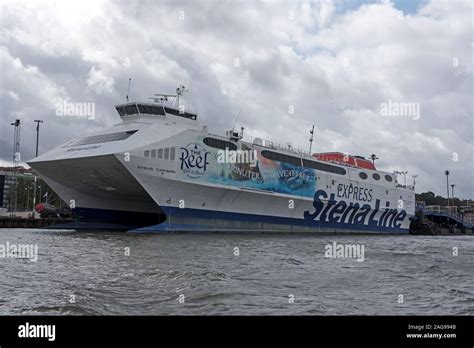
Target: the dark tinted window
pixel 122 110
pixel 376 176
pixel 324 167
pixel 362 175
pixel 131 109
pixel 151 109
pixel 388 178
pixel 127 110
pixel 143 108
pixel 102 138
pixel 219 144
pixel 276 156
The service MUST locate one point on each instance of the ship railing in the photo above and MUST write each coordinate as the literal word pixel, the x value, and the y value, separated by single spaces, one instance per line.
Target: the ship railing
pixel 276 146
pixel 171 103
pixel 451 209
pixel 408 187
pixel 439 208
pixel 464 213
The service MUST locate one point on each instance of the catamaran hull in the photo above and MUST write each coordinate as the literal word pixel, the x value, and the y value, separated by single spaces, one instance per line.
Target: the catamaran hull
pixel 164 205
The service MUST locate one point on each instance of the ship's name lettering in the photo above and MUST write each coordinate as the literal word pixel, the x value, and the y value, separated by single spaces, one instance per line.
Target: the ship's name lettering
pixel 332 211
pixel 354 192
pixel 193 159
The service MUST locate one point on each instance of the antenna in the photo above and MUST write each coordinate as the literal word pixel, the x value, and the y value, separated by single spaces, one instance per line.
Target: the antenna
pixel 128 90
pixel 237 118
pixel 179 91
pixel 311 131
pixel 373 157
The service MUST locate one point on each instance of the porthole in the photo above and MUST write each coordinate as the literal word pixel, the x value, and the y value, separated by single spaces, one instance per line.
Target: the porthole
pixel 362 175
pixel 376 176
pixel 388 178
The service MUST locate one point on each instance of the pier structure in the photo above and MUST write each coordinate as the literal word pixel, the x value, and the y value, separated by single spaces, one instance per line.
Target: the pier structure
pixel 443 220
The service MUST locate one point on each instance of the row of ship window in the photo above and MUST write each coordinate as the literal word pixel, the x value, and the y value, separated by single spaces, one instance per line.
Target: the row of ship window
pixel 276 156
pixel 166 153
pixel 134 109
pixel 169 153
pixel 376 176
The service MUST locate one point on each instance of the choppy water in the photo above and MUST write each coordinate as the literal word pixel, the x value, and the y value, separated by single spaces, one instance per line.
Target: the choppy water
pixel 94 268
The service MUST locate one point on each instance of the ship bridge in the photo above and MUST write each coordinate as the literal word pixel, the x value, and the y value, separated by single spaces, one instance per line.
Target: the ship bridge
pixel 150 109
pixel 162 105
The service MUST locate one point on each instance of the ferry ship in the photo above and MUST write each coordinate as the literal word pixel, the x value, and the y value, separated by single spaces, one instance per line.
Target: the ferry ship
pixel 161 170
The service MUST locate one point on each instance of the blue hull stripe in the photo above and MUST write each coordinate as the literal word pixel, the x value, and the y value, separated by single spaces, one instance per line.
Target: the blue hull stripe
pixel 175 217
pixel 202 220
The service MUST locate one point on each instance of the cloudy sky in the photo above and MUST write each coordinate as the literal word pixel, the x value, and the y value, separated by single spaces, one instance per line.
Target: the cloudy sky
pixel 335 64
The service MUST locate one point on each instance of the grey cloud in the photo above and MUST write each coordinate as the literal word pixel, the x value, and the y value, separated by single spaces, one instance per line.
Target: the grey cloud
pixel 282 62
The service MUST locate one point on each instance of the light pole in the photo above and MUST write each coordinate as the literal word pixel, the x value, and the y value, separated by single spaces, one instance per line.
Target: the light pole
pixel 37 143
pixel 16 164
pixel 27 189
pixel 452 192
pixel 414 181
pixel 447 183
pixel 37 134
pixel 397 173
pixel 404 178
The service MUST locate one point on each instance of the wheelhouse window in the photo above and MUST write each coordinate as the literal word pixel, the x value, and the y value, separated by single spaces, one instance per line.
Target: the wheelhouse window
pixel 147 153
pixel 324 167
pixel 125 110
pixel 134 109
pixel 219 144
pixel 153 153
pixel 102 138
pixel 167 153
pixel 160 153
pixel 172 153
pixel 151 109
